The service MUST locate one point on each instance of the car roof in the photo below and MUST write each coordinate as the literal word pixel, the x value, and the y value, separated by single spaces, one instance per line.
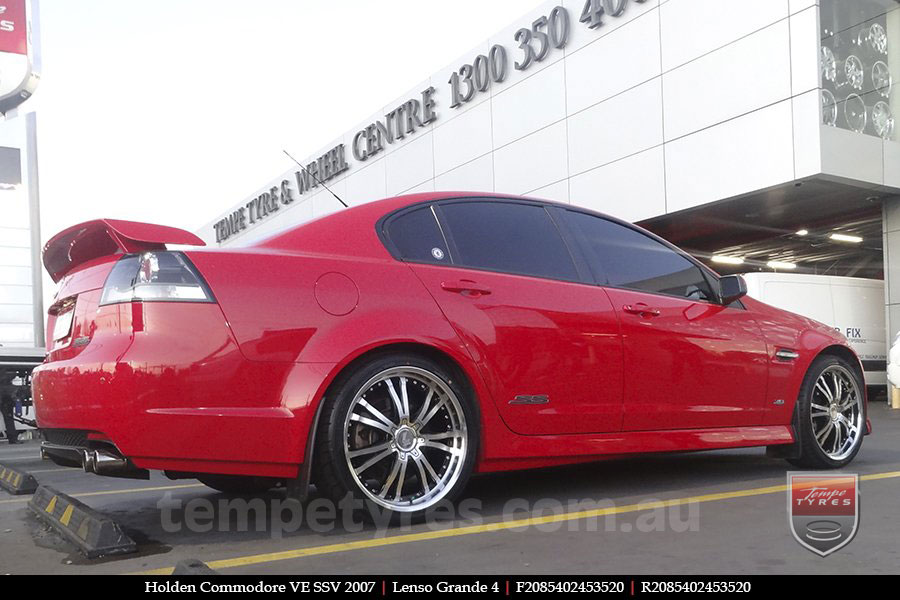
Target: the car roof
pixel 351 232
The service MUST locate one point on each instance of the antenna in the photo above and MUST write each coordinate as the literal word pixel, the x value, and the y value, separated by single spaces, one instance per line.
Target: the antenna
pixel 316 179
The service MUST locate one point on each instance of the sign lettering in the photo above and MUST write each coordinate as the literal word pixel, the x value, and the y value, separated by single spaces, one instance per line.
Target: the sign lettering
pixel 534 43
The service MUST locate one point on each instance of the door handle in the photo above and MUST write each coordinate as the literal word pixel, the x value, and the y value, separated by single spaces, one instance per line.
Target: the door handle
pixel 465 287
pixel 641 309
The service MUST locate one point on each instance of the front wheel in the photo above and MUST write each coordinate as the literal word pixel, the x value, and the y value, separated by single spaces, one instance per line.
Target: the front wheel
pixel 831 416
pixel 400 431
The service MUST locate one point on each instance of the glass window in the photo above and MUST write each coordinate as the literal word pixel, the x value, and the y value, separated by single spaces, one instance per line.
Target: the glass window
pixel 19 238
pixel 16 313
pixel 417 237
pixel 18 334
pixel 508 237
pixel 15 294
pixel 15 257
pixel 630 259
pixel 15 275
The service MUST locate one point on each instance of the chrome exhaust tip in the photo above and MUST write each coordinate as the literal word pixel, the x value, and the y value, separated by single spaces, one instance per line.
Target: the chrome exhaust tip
pixel 111 464
pixel 87 461
pixel 105 462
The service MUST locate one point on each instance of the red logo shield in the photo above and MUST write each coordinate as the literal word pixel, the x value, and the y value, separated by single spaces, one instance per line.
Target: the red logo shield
pixel 823 510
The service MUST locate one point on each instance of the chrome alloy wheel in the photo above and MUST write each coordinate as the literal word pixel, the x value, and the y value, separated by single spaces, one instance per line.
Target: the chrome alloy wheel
pixel 405 439
pixel 836 412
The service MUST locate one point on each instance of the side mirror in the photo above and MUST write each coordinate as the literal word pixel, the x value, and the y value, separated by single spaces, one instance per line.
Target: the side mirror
pixel 731 288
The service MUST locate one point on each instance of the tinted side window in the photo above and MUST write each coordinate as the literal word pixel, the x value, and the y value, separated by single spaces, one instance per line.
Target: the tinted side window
pixel 630 259
pixel 417 237
pixel 508 237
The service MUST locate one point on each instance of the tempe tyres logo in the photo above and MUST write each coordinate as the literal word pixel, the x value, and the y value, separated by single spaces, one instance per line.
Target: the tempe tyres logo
pixel 823 510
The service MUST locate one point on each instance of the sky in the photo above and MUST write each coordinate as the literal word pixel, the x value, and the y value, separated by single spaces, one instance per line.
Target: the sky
pixel 167 111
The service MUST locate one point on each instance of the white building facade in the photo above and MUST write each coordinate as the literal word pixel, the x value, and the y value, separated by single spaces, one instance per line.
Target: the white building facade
pixel 724 125
pixel 21 307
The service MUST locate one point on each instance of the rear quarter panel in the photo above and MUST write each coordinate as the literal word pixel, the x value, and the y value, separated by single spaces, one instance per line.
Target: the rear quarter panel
pixel 285 307
pixel 277 305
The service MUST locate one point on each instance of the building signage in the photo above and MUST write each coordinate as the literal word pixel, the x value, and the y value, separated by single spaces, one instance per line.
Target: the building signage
pixel 19 53
pixel 403 120
pixel 546 35
pixel 316 173
pixel 13 30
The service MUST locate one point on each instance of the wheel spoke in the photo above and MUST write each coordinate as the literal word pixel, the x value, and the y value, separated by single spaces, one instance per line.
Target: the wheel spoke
pixel 836 382
pixel 377 413
pixel 823 433
pixel 838 442
pixel 425 404
pixel 397 403
pixel 823 388
pixel 852 429
pixel 432 412
pixel 372 461
pixel 401 479
pixel 818 410
pixel 848 403
pixel 422 461
pixel 390 478
pixel 452 434
pixel 423 479
pixel 404 397
pixel 371 423
pixel 369 450
pixel 444 447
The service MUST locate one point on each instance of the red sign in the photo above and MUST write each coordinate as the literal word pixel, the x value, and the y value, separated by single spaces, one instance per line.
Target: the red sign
pixel 13 34
pixel 823 510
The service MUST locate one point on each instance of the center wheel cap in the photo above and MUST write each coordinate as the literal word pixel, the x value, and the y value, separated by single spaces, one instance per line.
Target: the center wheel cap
pixel 405 438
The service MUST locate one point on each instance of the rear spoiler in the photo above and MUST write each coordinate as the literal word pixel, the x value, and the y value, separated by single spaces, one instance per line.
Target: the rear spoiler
pixel 81 243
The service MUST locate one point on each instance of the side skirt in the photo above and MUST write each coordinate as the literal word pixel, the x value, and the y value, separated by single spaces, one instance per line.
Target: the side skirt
pixel 525 452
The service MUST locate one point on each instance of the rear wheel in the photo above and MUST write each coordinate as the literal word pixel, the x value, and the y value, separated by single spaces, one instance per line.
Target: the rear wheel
pixel 830 415
pixel 401 432
pixel 238 484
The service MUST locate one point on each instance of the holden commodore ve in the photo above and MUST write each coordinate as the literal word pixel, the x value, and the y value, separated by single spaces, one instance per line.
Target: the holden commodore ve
pixel 392 349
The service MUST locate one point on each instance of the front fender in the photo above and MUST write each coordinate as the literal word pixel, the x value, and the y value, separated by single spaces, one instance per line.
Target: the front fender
pixel 786 377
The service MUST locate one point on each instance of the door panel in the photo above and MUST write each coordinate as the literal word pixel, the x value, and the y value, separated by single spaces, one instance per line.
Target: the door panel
pixel 535 337
pixel 690 364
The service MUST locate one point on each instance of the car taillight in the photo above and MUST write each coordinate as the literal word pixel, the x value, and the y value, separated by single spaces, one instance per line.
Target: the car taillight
pixel 155 277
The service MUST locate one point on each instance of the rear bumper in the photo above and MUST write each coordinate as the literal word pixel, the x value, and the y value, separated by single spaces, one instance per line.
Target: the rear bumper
pixel 169 401
pixel 151 435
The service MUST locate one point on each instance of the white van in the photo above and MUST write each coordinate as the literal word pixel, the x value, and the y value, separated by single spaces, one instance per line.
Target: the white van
pixel 852 305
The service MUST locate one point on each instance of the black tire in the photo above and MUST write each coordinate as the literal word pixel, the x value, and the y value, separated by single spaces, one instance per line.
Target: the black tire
pixel 808 451
pixel 238 484
pixel 332 467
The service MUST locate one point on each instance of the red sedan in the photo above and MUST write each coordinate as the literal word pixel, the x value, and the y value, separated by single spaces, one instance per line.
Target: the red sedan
pixel 392 349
